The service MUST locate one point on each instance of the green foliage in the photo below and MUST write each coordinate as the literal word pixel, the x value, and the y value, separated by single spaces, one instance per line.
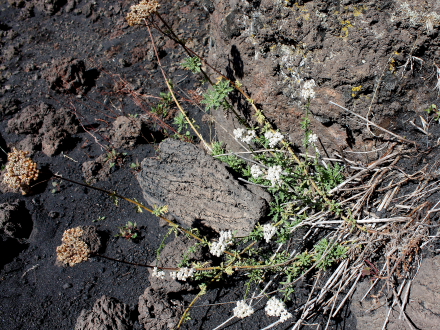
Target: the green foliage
pixel 329 177
pixel 181 122
pixel 256 235
pixel 233 161
pixel 160 210
pixel 433 109
pixel 128 231
pixel 57 185
pixel 183 125
pixel 215 97
pixel 162 243
pixel 135 166
pixel 194 64
pixel 163 107
pixel 138 208
pixel 100 218
pixel 187 255
pixel 115 157
pixel 114 199
pixel 327 255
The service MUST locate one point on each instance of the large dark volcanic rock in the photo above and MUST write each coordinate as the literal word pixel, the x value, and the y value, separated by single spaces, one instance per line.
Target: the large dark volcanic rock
pixel 199 189
pixel 107 314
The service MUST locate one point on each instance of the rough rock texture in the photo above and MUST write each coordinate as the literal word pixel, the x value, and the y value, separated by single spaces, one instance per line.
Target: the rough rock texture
pixel 171 256
pixel 9 107
pixel 107 314
pixel 199 189
pixel 98 169
pixel 50 129
pixel 423 308
pixel 92 238
pixel 126 132
pixel 157 311
pixel 15 220
pixel 358 53
pixel 69 75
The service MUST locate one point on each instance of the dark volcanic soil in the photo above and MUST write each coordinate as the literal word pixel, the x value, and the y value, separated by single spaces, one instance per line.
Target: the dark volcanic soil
pixel 76 80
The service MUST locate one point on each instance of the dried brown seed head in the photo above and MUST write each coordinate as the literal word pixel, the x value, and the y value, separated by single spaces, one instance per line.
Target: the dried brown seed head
pixel 20 170
pixel 73 250
pixel 138 13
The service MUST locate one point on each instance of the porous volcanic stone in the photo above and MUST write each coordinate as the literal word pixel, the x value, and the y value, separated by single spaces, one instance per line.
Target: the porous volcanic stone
pixel 107 314
pixel 157 311
pixel 15 220
pixel 198 189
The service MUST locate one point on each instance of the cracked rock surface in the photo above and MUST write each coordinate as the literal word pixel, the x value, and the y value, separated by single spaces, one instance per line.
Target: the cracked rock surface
pixel 199 189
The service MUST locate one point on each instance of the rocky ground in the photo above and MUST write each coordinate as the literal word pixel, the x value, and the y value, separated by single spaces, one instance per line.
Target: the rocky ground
pixel 77 83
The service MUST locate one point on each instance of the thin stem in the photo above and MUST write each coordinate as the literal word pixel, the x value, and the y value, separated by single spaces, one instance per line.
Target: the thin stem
pixel 174 96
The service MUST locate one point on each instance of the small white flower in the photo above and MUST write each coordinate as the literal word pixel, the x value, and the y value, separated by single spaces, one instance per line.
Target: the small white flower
pixel 274 174
pixel 276 307
pixel 250 135
pixel 225 239
pixel 273 138
pixel 285 316
pixel 313 138
pixel 269 230
pixel 256 171
pixel 307 91
pixel 239 133
pixel 185 273
pixel 158 273
pixel 217 248
pixel 244 135
pixel 173 275
pixel 242 310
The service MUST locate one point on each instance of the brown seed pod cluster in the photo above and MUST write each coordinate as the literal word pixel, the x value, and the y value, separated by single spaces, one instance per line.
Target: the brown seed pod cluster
pixel 138 13
pixel 73 250
pixel 20 170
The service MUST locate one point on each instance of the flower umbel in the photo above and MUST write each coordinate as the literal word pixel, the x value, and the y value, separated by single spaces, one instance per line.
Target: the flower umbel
pixel 225 239
pixel 307 91
pixel 313 138
pixel 256 171
pixel 276 307
pixel 138 13
pixel 182 274
pixel 274 175
pixel 269 230
pixel 273 138
pixel 158 273
pixel 242 310
pixel 244 135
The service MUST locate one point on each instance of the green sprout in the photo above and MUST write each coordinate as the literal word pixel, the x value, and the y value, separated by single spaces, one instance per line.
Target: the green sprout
pixel 193 64
pixel 215 97
pixel 100 218
pixel 128 231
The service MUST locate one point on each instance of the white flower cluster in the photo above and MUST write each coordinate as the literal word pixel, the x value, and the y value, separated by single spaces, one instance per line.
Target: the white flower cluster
pixel 276 307
pixel 158 273
pixel 244 135
pixel 274 174
pixel 273 138
pixel 256 171
pixel 307 91
pixel 313 138
pixel 243 310
pixel 269 230
pixel 182 274
pixel 225 239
